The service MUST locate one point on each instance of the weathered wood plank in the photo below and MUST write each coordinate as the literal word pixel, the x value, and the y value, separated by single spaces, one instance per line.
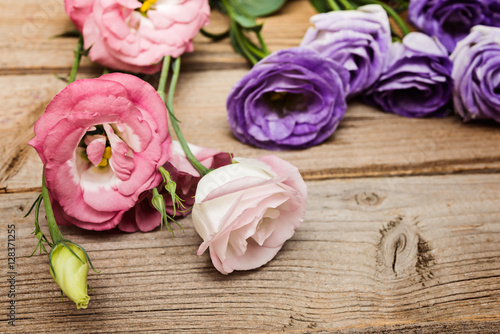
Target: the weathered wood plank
pixel 27 44
pixel 367 143
pixel 24 99
pixel 417 253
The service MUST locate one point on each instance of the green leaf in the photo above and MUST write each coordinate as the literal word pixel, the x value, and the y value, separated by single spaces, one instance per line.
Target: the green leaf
pixel 241 16
pixel 258 8
pixel 321 6
pixel 243 19
pixel 67 34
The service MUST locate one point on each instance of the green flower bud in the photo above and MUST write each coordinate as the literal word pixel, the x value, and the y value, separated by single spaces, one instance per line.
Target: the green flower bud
pixel 70 272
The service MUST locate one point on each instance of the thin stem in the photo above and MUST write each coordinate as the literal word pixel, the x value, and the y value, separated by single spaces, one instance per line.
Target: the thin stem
pixel 175 125
pixel 76 62
pixel 173 84
pixel 241 43
pixel 55 233
pixel 263 43
pixel 399 21
pixel 333 5
pixel 169 104
pixel 347 4
pixel 254 48
pixel 215 36
pixel 239 38
pixel 163 77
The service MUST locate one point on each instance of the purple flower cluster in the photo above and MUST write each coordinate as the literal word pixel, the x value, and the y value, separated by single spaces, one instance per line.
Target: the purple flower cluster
pixel 296 98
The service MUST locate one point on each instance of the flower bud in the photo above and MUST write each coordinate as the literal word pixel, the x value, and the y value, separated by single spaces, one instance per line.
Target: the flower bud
pixel 158 202
pixel 70 272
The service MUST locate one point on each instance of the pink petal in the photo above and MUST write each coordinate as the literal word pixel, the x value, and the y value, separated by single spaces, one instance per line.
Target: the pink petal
pixel 254 257
pixel 122 165
pixel 95 150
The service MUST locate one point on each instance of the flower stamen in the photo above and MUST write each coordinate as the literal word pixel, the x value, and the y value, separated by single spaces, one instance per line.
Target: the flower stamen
pixel 146 5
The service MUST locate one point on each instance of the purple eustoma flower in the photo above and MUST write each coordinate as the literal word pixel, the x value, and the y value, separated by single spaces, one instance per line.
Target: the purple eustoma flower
pixel 451 20
pixel 476 72
pixel 357 39
pixel 293 98
pixel 416 81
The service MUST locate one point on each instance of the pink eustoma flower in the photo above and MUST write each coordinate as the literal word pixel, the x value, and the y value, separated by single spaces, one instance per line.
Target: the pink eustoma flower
pixel 245 212
pixel 102 142
pixel 143 217
pixel 134 36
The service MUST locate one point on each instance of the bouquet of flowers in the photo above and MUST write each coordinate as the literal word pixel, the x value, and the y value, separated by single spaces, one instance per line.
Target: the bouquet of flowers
pixel 109 159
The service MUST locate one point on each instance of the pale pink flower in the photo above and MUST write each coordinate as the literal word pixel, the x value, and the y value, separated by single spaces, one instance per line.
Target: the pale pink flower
pixel 246 211
pixel 123 37
pixel 102 142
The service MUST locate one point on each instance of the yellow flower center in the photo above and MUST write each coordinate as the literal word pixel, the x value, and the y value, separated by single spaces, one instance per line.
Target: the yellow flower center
pixel 146 5
pixel 105 157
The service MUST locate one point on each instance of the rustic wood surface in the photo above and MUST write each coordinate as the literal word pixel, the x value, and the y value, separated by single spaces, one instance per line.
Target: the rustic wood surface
pixel 402 232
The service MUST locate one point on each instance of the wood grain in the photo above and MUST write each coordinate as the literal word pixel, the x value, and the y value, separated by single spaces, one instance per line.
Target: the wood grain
pixel 402 232
pixel 414 253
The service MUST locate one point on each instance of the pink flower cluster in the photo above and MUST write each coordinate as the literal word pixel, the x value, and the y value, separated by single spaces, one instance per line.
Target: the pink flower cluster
pixel 102 142
pixel 134 36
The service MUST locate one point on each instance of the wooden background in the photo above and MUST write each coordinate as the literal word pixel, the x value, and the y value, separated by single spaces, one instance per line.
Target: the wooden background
pixel 402 231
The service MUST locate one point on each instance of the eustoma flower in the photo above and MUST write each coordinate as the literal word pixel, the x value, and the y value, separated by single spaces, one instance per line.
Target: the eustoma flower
pixel 357 39
pixel 451 20
pixel 134 36
pixel 143 217
pixel 246 211
pixel 102 142
pixel 293 98
pixel 476 73
pixel 416 81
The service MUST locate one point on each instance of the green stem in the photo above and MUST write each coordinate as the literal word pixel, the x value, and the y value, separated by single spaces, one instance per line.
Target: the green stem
pixel 399 21
pixel 163 77
pixel 240 39
pixel 176 66
pixel 347 4
pixel 263 43
pixel 55 233
pixel 214 36
pixel 250 51
pixel 169 104
pixel 189 155
pixel 76 62
pixel 333 5
pixel 254 48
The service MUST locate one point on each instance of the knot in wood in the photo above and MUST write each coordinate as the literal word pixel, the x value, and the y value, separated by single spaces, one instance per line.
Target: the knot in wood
pixel 398 248
pixel 368 199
